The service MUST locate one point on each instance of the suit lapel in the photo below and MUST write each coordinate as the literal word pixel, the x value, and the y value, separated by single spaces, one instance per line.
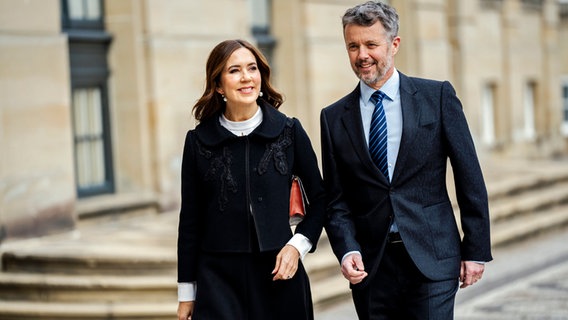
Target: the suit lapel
pixel 410 122
pixel 354 127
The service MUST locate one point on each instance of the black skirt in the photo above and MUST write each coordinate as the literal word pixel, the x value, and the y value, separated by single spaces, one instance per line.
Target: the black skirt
pixel 239 286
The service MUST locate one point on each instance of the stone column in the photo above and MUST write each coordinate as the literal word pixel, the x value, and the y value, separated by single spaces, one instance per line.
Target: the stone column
pixel 130 116
pixel 551 115
pixel 37 187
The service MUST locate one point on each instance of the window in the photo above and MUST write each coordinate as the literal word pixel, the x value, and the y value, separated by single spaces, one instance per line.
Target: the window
pixel 488 114
pixel 88 114
pixel 82 21
pixel 528 111
pixel 563 8
pixel 565 108
pixel 82 14
pixel 491 4
pixel 261 9
pixel 532 5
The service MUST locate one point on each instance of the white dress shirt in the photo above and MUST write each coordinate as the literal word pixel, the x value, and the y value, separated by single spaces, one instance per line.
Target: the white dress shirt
pixel 393 114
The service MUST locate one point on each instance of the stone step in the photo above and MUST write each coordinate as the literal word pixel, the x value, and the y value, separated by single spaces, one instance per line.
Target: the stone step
pixel 132 262
pixel 86 288
pixel 327 285
pixel 528 202
pixel 115 260
pixel 521 183
pixel 26 310
pixel 527 225
pixel 322 263
pixel 320 266
pixel 133 246
pixel 113 207
pixel 326 292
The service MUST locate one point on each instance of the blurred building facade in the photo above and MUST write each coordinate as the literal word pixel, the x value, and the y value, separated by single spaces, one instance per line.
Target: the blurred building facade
pixel 96 96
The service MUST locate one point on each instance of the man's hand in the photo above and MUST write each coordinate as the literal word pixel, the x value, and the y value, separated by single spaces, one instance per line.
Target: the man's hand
pixel 353 269
pixel 286 263
pixel 470 273
pixel 185 310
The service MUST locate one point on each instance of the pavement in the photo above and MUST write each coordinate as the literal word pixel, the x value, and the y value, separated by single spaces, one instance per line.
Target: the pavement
pixel 525 281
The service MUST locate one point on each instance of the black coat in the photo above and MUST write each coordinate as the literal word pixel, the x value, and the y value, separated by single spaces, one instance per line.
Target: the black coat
pixel 236 190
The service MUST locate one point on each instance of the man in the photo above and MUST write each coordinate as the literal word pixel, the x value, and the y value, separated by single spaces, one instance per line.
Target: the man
pixel 390 220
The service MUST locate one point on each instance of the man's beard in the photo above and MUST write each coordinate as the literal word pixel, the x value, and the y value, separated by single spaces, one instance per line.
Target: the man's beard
pixel 381 70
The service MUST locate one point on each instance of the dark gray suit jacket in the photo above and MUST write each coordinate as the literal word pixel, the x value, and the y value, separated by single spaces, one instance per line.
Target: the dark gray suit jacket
pixel 361 202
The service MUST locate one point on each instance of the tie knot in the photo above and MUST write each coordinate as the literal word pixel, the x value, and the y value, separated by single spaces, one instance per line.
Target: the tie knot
pixel 377 97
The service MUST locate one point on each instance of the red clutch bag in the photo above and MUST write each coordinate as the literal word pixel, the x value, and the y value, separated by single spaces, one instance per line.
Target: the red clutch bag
pixel 298 201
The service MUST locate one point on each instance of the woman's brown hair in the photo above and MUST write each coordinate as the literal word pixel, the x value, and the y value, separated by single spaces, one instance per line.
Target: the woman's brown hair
pixel 211 101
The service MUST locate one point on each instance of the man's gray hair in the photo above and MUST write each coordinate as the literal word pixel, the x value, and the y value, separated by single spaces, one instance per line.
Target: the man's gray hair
pixel 368 13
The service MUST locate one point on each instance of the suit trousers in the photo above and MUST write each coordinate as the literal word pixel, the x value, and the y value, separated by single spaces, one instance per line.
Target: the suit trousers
pixel 400 291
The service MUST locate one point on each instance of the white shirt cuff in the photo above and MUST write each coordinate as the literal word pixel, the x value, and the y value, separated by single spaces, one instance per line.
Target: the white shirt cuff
pixel 186 291
pixel 301 243
pixel 348 253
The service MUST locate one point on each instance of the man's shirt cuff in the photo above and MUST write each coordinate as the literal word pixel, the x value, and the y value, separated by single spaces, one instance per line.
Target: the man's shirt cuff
pixel 348 253
pixel 186 291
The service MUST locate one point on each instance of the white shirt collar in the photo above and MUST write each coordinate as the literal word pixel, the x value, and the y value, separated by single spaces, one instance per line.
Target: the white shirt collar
pixel 390 88
pixel 242 128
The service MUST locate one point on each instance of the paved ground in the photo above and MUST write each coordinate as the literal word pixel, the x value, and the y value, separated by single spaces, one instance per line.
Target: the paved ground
pixel 526 281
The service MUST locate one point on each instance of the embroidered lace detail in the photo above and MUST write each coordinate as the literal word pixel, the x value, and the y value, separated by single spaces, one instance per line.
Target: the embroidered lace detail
pixel 276 151
pixel 220 168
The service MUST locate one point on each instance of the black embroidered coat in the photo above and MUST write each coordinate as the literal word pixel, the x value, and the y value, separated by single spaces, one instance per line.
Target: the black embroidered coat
pixel 236 190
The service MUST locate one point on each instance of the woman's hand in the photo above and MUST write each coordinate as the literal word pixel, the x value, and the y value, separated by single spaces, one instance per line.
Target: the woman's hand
pixel 286 263
pixel 185 310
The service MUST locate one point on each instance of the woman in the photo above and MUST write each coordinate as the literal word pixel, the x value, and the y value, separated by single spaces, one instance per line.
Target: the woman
pixel 237 256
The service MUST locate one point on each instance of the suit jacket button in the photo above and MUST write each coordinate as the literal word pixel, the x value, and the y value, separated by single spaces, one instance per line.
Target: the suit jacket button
pixel 259 199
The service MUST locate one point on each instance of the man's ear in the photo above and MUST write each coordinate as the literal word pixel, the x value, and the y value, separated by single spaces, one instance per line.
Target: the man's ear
pixel 396 45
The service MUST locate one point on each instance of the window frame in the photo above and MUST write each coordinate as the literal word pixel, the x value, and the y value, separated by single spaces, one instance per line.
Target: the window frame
pixel 108 185
pixel 88 44
pixel 488 116
pixel 67 23
pixel 564 108
pixel 530 104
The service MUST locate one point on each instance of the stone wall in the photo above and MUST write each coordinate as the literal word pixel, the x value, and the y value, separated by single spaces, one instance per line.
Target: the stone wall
pixel 157 61
pixel 36 161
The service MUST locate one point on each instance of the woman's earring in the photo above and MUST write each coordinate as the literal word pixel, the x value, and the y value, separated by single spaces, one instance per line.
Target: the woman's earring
pixel 224 98
pixel 260 94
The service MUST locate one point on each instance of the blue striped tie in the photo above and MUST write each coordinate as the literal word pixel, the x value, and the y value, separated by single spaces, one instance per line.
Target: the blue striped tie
pixel 378 134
